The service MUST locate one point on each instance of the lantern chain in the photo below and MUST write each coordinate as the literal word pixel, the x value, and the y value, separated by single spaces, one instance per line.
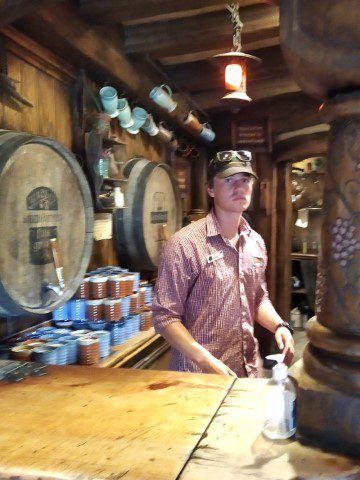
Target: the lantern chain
pixel 237 26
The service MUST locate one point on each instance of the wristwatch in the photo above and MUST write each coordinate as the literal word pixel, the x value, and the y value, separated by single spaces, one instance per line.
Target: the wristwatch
pixel 286 325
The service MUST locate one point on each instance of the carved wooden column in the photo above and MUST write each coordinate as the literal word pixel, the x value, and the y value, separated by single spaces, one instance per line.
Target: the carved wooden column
pixel 321 44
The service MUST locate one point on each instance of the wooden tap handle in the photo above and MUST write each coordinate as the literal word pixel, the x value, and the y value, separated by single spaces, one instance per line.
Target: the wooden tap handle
pixel 165 232
pixel 55 249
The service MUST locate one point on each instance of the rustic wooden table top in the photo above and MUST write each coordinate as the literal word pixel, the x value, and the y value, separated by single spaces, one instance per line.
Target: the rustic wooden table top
pixel 235 449
pixel 101 423
pixel 96 423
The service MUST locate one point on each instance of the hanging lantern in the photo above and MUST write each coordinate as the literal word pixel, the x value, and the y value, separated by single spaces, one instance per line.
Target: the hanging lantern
pixel 236 61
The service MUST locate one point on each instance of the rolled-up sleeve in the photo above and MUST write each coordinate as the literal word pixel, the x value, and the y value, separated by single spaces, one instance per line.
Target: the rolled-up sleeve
pixel 172 285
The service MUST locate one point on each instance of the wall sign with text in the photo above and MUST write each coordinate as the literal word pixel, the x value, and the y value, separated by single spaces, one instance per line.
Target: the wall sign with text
pixel 252 135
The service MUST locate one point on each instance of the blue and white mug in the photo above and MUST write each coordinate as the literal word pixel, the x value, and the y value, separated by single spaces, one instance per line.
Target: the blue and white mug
pixel 124 116
pixel 150 126
pixel 207 133
pixel 109 100
pixel 162 95
pixel 139 116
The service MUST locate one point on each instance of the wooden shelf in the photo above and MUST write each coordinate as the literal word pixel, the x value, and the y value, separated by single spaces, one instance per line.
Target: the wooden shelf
pixel 114 180
pixel 303 256
pixel 311 209
pixel 110 142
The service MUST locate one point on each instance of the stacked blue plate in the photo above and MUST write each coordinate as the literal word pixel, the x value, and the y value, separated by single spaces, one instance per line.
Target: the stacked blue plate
pixel 72 347
pixel 77 309
pixel 44 330
pixel 44 354
pixel 117 332
pixel 61 351
pixel 128 328
pixel 125 306
pixel 104 340
pixel 62 331
pixel 63 323
pixel 80 333
pixel 50 337
pixel 136 320
pixel 136 280
pixel 148 294
pixel 97 324
pixel 79 324
pixel 61 313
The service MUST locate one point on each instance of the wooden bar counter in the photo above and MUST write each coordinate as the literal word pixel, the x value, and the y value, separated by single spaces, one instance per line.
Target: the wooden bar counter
pixel 102 423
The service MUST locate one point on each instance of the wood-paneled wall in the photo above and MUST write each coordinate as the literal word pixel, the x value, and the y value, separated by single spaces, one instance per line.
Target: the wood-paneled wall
pixel 46 82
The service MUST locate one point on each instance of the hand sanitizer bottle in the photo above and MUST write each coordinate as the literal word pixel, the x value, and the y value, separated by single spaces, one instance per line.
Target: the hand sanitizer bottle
pixel 280 397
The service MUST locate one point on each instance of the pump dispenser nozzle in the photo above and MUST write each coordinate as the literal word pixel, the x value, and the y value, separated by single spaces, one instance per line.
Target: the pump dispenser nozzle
pixel 280 370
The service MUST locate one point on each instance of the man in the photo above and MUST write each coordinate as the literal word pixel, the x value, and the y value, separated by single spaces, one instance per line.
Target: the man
pixel 211 284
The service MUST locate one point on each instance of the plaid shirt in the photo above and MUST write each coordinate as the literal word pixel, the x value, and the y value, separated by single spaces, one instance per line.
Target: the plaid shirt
pixel 216 300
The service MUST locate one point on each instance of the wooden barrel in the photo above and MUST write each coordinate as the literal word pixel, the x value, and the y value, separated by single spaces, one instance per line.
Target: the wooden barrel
pixel 43 194
pixel 153 213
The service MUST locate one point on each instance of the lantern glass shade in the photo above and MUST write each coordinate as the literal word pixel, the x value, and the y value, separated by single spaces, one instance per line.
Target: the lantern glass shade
pixel 233 76
pixel 235 81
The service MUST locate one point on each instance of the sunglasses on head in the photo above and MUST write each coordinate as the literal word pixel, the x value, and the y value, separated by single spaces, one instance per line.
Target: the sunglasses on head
pixel 228 156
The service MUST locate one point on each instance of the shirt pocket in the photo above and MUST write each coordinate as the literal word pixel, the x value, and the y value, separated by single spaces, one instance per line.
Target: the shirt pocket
pixel 257 267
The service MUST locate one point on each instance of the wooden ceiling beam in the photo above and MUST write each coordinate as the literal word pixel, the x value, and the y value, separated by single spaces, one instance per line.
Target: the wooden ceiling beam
pixel 256 90
pixel 211 31
pixel 270 38
pixel 12 10
pixel 133 12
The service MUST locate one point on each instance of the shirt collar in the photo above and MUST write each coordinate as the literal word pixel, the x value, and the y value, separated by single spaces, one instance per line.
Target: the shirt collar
pixel 213 227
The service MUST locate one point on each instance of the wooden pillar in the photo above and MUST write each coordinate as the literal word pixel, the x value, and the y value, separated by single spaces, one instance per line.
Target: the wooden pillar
pixel 199 196
pixel 329 383
pixel 283 253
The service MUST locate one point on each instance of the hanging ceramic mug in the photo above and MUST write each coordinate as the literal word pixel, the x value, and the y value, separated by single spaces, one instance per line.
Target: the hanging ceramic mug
pixel 150 126
pixel 207 133
pixel 192 122
pixel 174 144
pixel 139 116
pixel 165 134
pixel 109 100
pixel 124 116
pixel 162 95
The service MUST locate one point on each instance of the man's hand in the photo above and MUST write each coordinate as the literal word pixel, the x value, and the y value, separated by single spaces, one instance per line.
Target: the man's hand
pixel 179 337
pixel 285 342
pixel 210 364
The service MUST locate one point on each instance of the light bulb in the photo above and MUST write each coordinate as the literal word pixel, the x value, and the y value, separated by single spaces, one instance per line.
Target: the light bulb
pixel 233 76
